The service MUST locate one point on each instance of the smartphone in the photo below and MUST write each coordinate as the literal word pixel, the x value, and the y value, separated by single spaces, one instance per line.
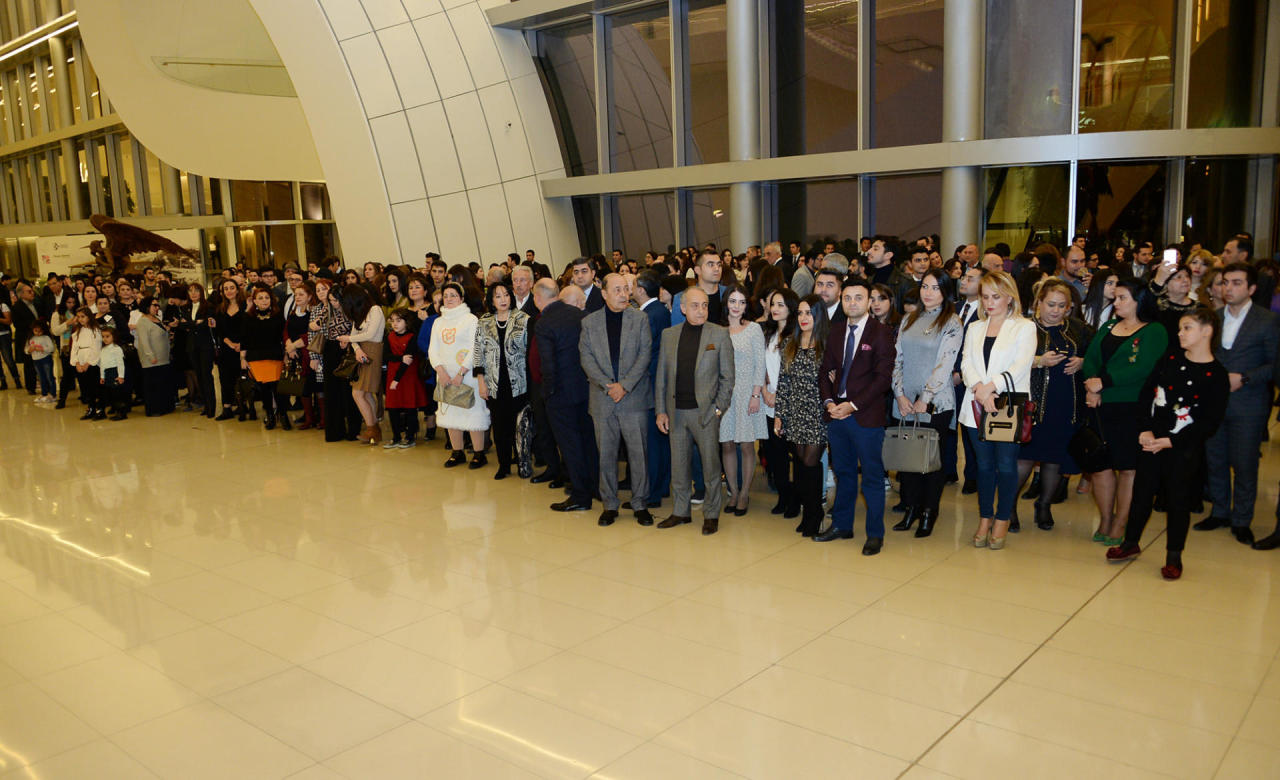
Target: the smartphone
pixel 1170 259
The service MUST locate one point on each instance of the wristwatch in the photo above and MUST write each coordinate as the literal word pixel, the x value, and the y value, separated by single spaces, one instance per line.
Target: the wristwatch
pixel 718 412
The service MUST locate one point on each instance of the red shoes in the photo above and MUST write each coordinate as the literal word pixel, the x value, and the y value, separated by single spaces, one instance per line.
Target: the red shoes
pixel 1171 572
pixel 1123 552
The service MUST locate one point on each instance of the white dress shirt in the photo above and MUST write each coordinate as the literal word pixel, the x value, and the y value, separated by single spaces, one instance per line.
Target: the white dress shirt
pixel 1231 324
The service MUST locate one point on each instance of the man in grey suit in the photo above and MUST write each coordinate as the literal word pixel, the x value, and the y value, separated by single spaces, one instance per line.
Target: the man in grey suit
pixel 1248 352
pixel 615 345
pixel 692 390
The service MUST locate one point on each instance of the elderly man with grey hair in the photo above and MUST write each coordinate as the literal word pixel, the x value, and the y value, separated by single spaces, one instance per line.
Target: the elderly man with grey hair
pixel 522 287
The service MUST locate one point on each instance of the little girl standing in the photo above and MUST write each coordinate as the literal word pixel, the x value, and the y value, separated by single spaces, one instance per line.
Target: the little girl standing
pixel 406 392
pixel 86 350
pixel 111 366
pixel 40 347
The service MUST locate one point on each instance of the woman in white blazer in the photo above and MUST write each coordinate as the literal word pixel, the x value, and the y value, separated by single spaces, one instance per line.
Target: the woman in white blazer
pixel 998 351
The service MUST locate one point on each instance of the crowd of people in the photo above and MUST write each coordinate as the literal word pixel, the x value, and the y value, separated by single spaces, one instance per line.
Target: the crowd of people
pixel 1149 375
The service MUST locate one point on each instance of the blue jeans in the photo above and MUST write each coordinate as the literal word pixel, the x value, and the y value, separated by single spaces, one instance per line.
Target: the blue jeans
pixel 997 470
pixel 44 370
pixel 853 446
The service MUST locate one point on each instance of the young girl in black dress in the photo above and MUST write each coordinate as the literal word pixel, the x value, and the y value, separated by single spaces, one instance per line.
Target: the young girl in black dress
pixel 1182 405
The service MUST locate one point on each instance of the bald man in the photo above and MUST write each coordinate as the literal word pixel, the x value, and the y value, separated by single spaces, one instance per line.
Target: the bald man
pixel 543 292
pixel 692 391
pixel 565 392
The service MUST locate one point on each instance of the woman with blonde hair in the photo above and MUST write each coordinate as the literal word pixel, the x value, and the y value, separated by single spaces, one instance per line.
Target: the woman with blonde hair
pixel 995 364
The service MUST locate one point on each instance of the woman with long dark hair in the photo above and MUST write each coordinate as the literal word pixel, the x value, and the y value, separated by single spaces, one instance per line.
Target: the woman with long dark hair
pixel 744 423
pixel 799 409
pixel 61 325
pixel 1099 303
pixel 226 323
pixel 193 320
pixel 778 328
pixel 368 329
pixel 297 335
pixel 499 365
pixel 341 418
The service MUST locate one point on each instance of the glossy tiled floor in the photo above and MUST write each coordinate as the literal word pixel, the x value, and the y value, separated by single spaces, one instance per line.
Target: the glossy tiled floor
pixel 186 599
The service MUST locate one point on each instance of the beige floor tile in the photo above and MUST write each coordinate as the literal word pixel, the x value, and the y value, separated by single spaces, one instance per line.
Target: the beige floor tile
pixel 645 571
pixel 209 596
pixel 279 576
pixel 339 556
pixel 755 745
pixel 35 726
pixel 985 612
pixel 792 572
pixel 540 737
pixel 365 606
pixel 1168 655
pixel 396 677
pixel 208 660
pixel 1153 744
pixel 206 741
pixel 479 561
pixel 1011 584
pixel 1190 702
pixel 736 632
pixel 129 618
pixel 292 632
pixel 100 760
pixel 652 760
pixel 476 647
pixel 48 643
pixel 310 713
pixel 1271 683
pixel 1247 760
pixel 872 720
pixel 962 647
pixel 977 751
pixel 547 548
pixel 695 667
pixel 939 686
pixel 426 582
pixel 115 692
pixel 209 552
pixel 775 602
pixel 571 525
pixel 1262 722
pixel 16 605
pixel 317 772
pixel 415 751
pixel 686 546
pixel 9 675
pixel 899 567
pixel 1249 634
pixel 918 772
pixel 537 618
pixel 597 594
pixel 606 694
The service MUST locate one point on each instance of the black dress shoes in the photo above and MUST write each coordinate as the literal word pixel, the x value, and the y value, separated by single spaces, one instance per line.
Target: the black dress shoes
pixel 873 545
pixel 607 517
pixel 1268 542
pixel 545 476
pixel 675 520
pixel 832 534
pixel 557 483
pixel 969 488
pixel 1243 534
pixel 1212 524
pixel 710 525
pixel 1044 517
pixel 569 505
pixel 643 517
pixel 927 519
pixel 908 519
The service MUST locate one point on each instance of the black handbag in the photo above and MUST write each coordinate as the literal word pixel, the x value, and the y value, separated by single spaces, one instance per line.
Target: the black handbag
pixel 1088 449
pixel 348 366
pixel 291 381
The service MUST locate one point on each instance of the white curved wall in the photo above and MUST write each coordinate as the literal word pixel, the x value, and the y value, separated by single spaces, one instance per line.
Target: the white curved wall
pixel 452 111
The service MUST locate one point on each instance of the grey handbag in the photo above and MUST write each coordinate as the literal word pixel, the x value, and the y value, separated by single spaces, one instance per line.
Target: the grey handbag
pixel 911 448
pixel 456 395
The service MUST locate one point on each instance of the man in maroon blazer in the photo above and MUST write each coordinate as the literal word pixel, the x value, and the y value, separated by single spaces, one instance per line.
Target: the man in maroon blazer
pixel 853 383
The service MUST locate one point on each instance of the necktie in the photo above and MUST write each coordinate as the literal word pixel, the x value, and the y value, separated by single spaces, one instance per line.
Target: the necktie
pixel 848 360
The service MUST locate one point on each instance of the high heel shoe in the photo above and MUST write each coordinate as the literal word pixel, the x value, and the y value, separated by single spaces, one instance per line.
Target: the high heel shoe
pixel 981 540
pixel 741 511
pixel 927 519
pixel 996 544
pixel 908 519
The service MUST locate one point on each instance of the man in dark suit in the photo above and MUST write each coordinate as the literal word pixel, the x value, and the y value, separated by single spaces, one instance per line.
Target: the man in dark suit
pixel 1247 350
pixel 853 380
pixel 53 296
pixel 1140 268
pixel 645 294
pixel 967 310
pixel 691 393
pixel 584 278
pixel 544 442
pixel 522 288
pixel 826 285
pixel 773 256
pixel 26 310
pixel 564 386
pixel 615 347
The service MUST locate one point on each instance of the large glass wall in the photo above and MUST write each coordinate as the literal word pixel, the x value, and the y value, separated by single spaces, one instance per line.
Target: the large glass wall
pixel 1121 202
pixel 1028 68
pixel 1126 65
pixel 908 72
pixel 815 212
pixel 1027 205
pixel 640 78
pixel 643 223
pixel 709 219
pixel 707 137
pixel 815 86
pixel 907 206
pixel 565 59
pixel 1226 75
pixel 1214 200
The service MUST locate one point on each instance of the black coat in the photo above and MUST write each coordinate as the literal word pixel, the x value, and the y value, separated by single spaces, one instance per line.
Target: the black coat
pixel 558 329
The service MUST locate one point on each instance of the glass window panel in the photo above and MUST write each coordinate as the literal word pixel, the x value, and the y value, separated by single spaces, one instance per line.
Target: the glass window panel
pixel 5 135
pixel 129 181
pixel 1121 202
pixel 18 92
pixel 155 183
pixel 586 214
pixel 184 186
pixel 73 79
pixel 1126 65
pixel 908 72
pixel 92 86
pixel 908 206
pixel 43 197
pixel 640 73
pixel 1027 205
pixel 47 94
pixel 815 212
pixel 1214 200
pixel 709 218
pixel 566 65
pixel 815 98
pixel 643 223
pixel 707 139
pixel 318 241
pixel 35 105
pixel 247 198
pixel 315 201
pixel 251 245
pixel 1028 68
pixel 1227 40
pixel 283 245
